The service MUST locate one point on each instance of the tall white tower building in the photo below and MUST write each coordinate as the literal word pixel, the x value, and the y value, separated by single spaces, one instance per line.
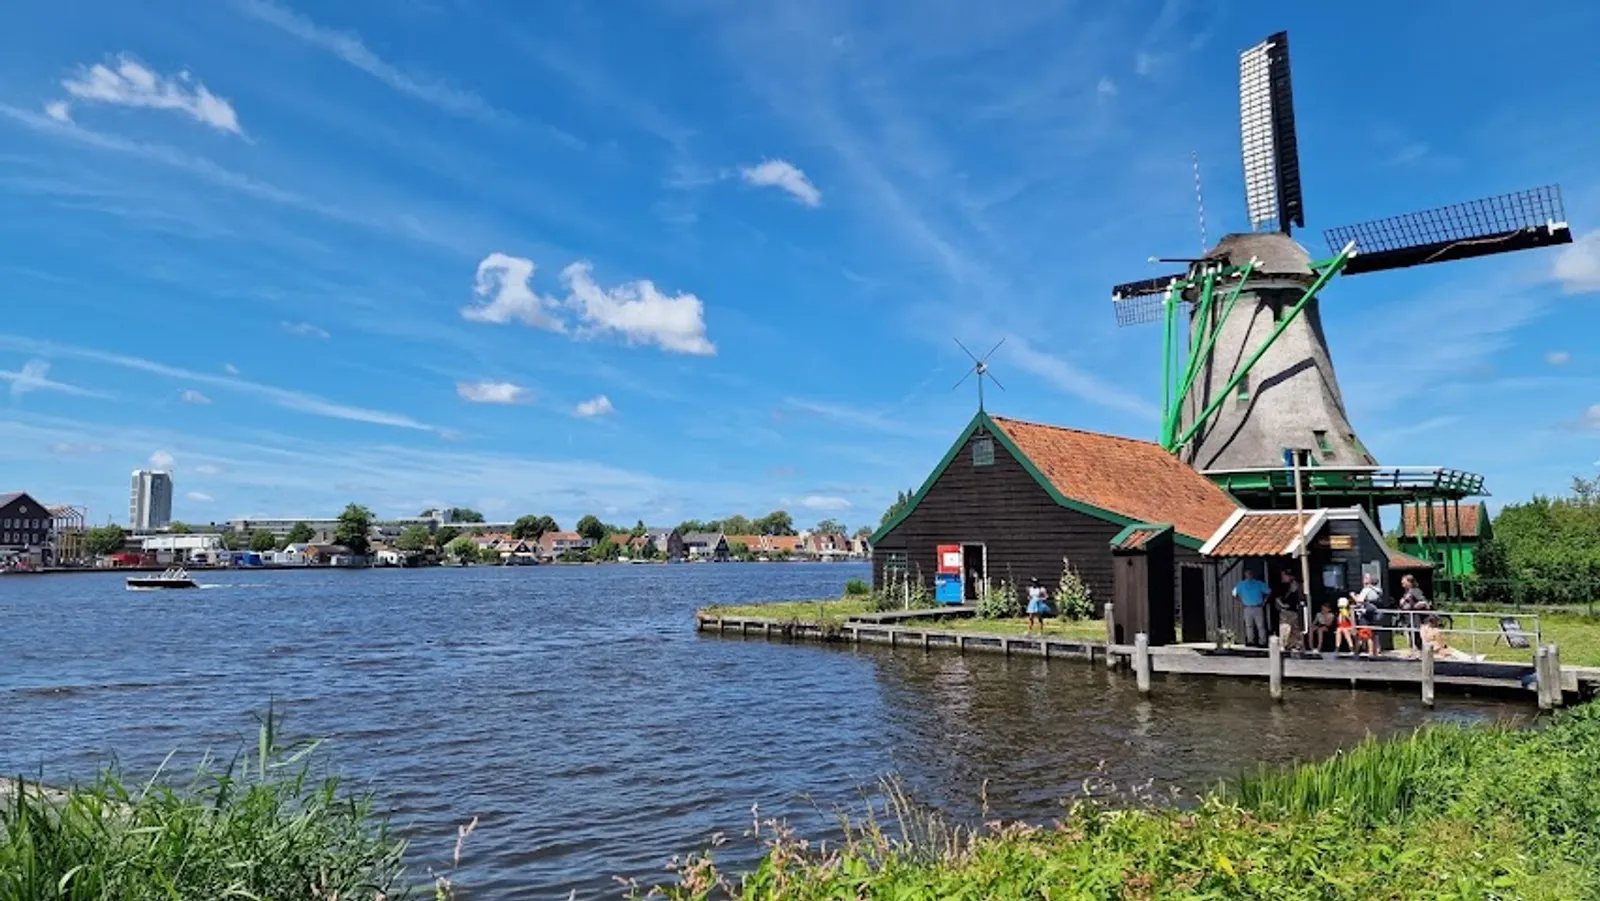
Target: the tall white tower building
pixel 150 500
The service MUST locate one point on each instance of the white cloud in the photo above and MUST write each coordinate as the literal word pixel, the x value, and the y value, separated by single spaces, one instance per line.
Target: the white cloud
pixel 162 460
pixel 306 330
pixel 1067 377
pixel 200 497
pixel 348 47
pixel 504 280
pixel 1106 89
pixel 1591 417
pixel 824 502
pixel 876 420
pixel 639 313
pixel 493 392
pixel 132 84
pixel 34 376
pixel 598 406
pixel 1577 266
pixel 279 397
pixel 67 448
pixel 785 175
pixel 192 396
pixel 208 469
pixel 59 110
pixel 230 369
pixel 1558 358
pixel 1145 63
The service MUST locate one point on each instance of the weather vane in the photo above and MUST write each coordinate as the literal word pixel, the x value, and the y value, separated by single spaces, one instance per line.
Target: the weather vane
pixel 980 367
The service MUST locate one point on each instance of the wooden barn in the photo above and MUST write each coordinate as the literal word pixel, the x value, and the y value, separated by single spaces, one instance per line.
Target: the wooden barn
pixel 1014 499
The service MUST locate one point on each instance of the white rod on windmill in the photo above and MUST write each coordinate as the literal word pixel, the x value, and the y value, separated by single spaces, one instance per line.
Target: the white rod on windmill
pixel 1199 201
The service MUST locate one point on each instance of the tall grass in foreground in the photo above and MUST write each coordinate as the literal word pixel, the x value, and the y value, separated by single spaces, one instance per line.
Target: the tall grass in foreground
pixel 1446 813
pixel 257 827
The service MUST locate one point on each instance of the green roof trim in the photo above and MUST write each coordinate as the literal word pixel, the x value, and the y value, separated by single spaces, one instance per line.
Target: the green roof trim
pixel 982 420
pixel 1155 527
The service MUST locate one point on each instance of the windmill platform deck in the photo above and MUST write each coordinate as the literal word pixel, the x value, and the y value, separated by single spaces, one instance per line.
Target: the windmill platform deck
pixel 1513 679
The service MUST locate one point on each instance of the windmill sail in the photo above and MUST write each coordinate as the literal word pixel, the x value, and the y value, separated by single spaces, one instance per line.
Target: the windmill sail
pixel 1266 135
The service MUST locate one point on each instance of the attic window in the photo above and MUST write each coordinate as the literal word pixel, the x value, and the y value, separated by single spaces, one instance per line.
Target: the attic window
pixel 1243 394
pixel 1323 444
pixel 983 452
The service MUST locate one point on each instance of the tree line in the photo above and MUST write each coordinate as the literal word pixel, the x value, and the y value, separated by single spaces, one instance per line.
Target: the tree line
pixel 1545 550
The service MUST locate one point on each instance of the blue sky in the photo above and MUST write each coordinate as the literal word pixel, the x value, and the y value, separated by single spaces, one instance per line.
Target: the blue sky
pixel 687 258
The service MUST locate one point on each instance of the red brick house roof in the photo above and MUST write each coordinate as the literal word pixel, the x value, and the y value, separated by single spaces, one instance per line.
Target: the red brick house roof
pixel 1439 521
pixel 1132 479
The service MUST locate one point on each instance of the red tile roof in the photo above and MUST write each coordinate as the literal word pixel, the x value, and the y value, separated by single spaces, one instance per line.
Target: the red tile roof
pixel 1136 539
pixel 1135 479
pixel 1259 534
pixel 1398 560
pixel 1443 521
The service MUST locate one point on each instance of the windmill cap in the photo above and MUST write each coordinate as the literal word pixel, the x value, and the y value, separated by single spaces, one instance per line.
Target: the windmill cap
pixel 1275 254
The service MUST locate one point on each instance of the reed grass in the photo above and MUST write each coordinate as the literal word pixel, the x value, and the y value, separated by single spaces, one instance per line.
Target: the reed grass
pixel 259 826
pixel 1448 812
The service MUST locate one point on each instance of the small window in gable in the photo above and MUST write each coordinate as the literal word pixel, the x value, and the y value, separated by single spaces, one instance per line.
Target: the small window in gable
pixel 983 452
pixel 1243 393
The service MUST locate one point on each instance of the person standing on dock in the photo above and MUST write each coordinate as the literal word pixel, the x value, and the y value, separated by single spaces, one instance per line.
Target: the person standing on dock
pixel 1038 605
pixel 1290 599
pixel 1253 594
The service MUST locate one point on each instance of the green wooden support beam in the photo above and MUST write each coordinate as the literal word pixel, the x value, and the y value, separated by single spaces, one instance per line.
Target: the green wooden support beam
pixel 1227 391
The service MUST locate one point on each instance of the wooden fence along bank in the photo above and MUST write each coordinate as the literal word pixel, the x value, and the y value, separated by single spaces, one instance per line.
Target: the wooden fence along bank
pixel 1546 678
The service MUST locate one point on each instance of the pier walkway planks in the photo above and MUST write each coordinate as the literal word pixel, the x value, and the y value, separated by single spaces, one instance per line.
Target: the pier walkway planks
pixel 1202 660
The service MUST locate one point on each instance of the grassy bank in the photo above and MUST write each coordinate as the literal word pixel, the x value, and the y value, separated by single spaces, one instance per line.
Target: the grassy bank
pixel 259 826
pixel 823 611
pixel 1449 813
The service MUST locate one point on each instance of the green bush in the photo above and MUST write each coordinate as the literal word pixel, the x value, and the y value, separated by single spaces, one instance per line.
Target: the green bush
pixel 856 588
pixel 1074 600
pixel 1000 601
pixel 259 827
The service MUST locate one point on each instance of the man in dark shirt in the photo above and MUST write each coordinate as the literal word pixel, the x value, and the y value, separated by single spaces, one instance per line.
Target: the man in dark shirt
pixel 1290 600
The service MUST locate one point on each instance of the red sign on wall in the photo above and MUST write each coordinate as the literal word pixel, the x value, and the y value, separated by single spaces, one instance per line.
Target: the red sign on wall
pixel 950 558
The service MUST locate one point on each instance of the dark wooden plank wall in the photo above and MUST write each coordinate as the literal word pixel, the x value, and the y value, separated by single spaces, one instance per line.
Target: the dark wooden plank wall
pixel 1133 607
pixel 1001 506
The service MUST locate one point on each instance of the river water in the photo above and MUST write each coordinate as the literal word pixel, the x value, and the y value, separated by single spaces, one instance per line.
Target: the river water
pixel 593 732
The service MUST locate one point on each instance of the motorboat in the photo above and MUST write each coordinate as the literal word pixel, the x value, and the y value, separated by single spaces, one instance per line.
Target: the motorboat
pixel 174 577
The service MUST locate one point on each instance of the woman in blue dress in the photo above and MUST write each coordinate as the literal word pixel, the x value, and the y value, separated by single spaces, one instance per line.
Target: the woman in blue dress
pixel 1038 606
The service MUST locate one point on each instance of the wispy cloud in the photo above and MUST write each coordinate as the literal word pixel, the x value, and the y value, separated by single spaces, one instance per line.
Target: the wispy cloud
pixel 200 497
pixel 280 397
pixel 493 393
pixel 349 47
pixel 1577 266
pixel 305 330
pixel 871 419
pixel 208 469
pixel 35 376
pixel 191 396
pixel 126 82
pixel 1558 358
pixel 597 406
pixel 230 369
pixel 1074 380
pixel 69 449
pixel 824 502
pixel 785 176
pixel 162 460
pixel 59 110
pixel 1105 88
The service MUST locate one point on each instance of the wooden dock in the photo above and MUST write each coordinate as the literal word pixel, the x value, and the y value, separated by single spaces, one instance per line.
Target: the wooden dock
pixel 1270 664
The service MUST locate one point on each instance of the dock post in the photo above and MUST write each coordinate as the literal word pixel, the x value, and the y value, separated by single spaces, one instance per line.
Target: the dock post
pixel 1553 664
pixel 1005 646
pixel 1044 648
pixel 1111 635
pixel 1275 667
pixel 892 634
pixel 1541 675
pixel 722 625
pixel 1141 662
pixel 924 641
pixel 961 643
pixel 1427 674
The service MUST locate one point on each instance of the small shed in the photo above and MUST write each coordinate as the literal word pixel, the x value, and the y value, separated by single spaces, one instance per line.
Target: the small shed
pixel 1342 544
pixel 1143 586
pixel 1446 533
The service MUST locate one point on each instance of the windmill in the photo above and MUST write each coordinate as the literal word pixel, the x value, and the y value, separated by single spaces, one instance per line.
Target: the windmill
pixel 980 368
pixel 1254 375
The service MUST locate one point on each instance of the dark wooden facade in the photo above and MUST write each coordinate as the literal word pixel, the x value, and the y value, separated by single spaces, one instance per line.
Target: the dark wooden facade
pixel 1146 591
pixel 1223 611
pixel 1024 532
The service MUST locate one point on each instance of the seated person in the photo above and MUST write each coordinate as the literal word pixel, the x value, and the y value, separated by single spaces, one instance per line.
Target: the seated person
pixel 1322 628
pixel 1433 637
